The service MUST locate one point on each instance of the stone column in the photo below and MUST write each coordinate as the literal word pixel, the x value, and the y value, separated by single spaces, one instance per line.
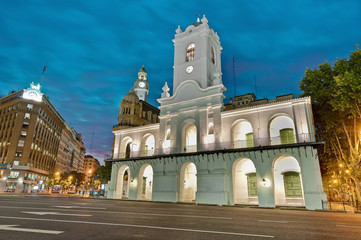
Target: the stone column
pixel 311 179
pixel 263 166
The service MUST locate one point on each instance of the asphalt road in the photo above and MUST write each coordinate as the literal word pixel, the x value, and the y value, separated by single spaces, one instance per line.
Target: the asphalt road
pixel 47 217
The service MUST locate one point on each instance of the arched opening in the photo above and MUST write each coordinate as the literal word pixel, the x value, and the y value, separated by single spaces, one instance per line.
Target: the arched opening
pixel 245 182
pixel 282 131
pixel 190 138
pixel 212 55
pixel 190 52
pixel 122 188
pixel 145 186
pixel 148 145
pixel 125 148
pixel 288 182
pixel 188 182
pixel 242 134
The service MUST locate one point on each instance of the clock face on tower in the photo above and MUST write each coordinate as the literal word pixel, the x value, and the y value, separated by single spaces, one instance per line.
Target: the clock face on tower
pixel 141 84
pixel 189 69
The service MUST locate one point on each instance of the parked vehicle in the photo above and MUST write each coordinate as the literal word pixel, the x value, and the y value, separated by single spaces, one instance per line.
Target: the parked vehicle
pixel 56 189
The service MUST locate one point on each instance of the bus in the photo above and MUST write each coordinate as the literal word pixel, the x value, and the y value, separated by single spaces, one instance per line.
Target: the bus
pixel 72 189
pixel 56 189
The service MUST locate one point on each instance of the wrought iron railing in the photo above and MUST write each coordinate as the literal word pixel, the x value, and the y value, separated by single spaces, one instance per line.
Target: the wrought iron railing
pixel 241 144
pixel 341 205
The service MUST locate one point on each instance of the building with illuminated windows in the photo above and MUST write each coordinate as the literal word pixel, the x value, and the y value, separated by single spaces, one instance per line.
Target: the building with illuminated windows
pixel 250 152
pixel 34 142
pixel 91 165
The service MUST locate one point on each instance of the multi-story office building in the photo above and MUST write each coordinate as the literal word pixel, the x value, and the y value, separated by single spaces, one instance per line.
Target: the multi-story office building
pixel 31 131
pixel 71 151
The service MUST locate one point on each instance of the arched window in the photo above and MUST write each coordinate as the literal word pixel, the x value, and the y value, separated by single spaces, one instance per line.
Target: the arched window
pixel 210 128
pixel 190 138
pixel 212 55
pixel 282 130
pixel 190 52
pixel 127 150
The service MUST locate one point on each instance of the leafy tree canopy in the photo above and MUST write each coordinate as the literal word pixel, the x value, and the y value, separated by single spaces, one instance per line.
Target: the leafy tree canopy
pixel 104 172
pixel 336 95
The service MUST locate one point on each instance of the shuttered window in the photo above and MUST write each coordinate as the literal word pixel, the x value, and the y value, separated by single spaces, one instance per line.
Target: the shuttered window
pixel 292 184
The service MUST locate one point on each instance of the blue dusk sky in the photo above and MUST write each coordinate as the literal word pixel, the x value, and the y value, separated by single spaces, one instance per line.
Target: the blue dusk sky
pixel 94 49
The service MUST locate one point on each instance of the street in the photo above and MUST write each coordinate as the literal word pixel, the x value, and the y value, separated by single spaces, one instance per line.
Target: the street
pixel 50 217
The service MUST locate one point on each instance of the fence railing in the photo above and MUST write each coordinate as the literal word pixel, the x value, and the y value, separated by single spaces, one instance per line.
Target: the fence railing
pixel 139 151
pixel 341 205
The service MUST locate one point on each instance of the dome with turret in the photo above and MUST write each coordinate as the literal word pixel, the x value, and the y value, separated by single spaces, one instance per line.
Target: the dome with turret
pixel 131 97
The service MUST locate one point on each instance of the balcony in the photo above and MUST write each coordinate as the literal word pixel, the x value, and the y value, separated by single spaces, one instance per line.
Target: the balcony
pixel 247 145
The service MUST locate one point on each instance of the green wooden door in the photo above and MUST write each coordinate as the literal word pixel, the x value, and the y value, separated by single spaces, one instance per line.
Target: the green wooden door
pixel 287 136
pixel 252 185
pixel 292 184
pixel 249 140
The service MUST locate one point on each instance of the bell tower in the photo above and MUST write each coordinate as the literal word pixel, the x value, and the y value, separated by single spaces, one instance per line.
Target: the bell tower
pixel 141 85
pixel 197 55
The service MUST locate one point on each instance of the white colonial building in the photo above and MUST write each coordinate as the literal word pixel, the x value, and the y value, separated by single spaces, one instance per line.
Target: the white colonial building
pixel 252 152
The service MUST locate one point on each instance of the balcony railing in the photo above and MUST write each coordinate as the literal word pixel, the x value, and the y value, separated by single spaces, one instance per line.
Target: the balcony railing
pixel 257 142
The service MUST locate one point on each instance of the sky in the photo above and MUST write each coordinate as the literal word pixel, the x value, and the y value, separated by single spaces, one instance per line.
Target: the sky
pixel 94 50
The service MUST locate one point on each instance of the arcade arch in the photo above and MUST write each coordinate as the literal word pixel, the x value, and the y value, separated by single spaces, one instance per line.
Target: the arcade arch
pixel 122 189
pixel 244 182
pixel 189 139
pixel 188 182
pixel 282 130
pixel 125 147
pixel 288 187
pixel 148 145
pixel 242 134
pixel 145 186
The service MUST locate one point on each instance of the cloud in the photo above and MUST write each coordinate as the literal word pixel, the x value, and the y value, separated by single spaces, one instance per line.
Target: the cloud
pixel 94 49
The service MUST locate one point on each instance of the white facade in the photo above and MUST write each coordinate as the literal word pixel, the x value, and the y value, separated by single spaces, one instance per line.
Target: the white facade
pixel 261 155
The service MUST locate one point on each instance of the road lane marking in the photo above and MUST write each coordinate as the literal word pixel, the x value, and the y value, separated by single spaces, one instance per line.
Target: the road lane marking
pixel 348 226
pixel 273 221
pixel 56 213
pixel 130 213
pixel 143 226
pixel 17 229
pixel 77 207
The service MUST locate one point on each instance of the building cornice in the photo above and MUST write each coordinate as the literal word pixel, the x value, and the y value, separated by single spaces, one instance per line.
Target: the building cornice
pixel 154 126
pixel 266 107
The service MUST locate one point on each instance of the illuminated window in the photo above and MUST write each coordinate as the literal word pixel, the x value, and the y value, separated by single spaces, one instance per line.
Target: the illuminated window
pixel 212 55
pixel 30 107
pixel 190 52
pixel 25 124
pixel 27 116
pixel 23 133
pixel 14 175
pixel 21 143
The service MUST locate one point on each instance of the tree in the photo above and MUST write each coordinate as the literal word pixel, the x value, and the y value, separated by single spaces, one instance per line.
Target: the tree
pixel 104 172
pixel 336 97
pixel 54 179
pixel 76 177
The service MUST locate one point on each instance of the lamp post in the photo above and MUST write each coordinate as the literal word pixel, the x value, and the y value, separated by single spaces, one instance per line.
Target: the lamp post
pixel 91 180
